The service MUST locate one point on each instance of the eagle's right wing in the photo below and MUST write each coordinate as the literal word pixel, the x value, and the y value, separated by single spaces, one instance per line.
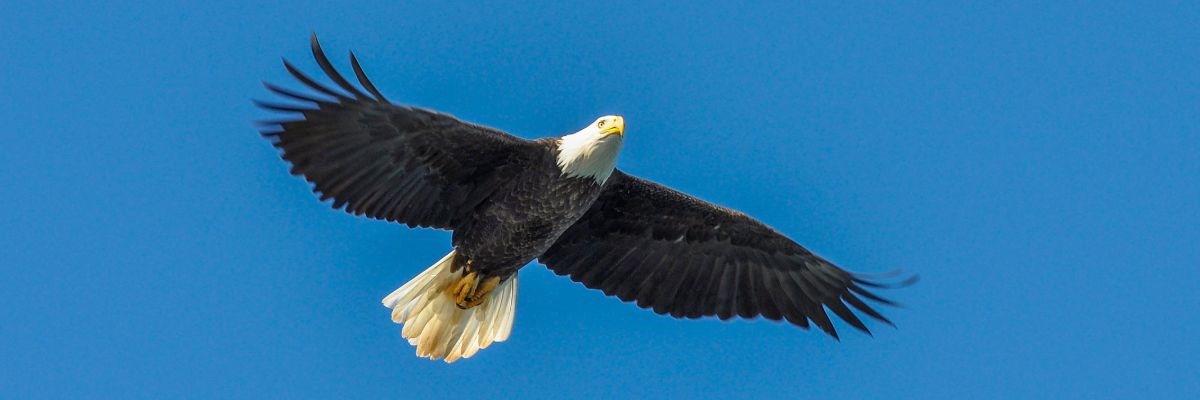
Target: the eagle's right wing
pixel 679 255
pixel 385 161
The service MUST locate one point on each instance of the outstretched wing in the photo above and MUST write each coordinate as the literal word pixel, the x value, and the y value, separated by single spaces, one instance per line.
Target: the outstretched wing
pixel 398 163
pixel 682 256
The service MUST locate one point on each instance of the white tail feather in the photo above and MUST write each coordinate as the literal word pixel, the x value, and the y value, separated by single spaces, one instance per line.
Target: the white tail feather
pixel 434 323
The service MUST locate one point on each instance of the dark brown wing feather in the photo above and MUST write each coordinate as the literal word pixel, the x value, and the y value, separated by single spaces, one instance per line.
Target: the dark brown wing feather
pixel 679 255
pixel 385 161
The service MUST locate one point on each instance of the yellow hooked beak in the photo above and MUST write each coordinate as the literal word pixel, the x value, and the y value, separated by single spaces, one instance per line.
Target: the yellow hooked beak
pixel 611 125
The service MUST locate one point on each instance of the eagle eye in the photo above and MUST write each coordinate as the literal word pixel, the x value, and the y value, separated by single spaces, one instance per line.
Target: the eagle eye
pixel 600 124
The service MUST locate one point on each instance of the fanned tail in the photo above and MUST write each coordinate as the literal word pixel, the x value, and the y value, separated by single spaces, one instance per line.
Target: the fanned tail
pixel 438 327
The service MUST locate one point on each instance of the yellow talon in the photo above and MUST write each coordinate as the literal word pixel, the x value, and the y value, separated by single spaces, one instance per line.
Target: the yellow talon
pixel 469 292
pixel 482 291
pixel 463 287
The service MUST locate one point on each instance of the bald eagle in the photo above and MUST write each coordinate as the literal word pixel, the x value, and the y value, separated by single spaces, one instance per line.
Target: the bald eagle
pixel 558 200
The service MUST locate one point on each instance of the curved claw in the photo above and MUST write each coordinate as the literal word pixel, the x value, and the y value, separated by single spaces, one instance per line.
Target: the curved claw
pixel 469 291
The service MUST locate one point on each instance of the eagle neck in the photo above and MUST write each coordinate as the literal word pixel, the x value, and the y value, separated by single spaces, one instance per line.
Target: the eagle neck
pixel 589 154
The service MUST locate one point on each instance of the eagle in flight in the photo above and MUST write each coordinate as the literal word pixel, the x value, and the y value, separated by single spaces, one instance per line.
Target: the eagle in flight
pixel 559 200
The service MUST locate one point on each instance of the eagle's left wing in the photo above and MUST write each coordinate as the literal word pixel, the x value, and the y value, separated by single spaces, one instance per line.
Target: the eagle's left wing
pixel 679 255
pixel 386 161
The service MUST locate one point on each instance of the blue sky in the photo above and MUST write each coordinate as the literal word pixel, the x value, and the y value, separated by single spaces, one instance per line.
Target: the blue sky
pixel 1036 164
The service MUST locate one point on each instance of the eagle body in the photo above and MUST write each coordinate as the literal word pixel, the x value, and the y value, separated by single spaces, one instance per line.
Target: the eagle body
pixel 559 200
pixel 519 221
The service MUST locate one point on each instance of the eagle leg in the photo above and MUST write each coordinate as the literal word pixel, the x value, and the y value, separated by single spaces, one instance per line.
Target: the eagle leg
pixel 470 291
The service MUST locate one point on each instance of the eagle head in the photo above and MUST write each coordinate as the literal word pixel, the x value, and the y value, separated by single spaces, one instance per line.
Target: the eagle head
pixel 592 152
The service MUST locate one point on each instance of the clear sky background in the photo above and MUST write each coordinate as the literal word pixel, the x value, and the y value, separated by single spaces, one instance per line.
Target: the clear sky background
pixel 1037 165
